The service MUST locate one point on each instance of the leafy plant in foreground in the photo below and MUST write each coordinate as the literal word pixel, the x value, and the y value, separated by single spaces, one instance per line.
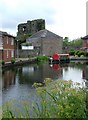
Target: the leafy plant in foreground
pixel 57 99
pixel 62 99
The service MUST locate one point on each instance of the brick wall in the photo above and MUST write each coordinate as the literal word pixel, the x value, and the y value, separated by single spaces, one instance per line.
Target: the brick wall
pixel 85 43
pixel 8 48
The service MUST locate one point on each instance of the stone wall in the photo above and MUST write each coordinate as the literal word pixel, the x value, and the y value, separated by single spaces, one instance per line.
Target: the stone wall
pixel 51 46
pixel 26 53
pixel 31 27
pixel 43 47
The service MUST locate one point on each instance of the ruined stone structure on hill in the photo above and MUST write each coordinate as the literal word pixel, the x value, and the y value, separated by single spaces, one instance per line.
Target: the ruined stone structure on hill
pixel 31 27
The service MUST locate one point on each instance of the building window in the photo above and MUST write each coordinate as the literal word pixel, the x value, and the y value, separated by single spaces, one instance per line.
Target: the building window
pixel 12 41
pixel 7 39
pixel 7 53
pixel 12 53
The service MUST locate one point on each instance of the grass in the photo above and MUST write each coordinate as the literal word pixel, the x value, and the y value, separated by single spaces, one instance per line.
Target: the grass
pixel 41 58
pixel 58 99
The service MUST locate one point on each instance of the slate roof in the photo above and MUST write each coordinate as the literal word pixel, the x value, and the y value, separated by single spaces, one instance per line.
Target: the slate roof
pixel 85 38
pixel 6 34
pixel 42 34
pixel 32 39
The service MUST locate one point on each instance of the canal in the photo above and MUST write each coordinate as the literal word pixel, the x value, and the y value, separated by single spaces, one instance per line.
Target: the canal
pixel 17 81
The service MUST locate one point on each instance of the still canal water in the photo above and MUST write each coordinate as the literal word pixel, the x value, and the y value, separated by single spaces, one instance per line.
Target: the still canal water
pixel 17 82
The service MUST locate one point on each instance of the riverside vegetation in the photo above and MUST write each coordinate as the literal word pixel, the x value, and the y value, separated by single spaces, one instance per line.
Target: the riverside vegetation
pixel 58 99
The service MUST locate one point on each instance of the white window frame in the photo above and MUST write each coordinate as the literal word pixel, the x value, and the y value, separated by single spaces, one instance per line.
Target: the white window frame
pixel 12 41
pixel 7 40
pixel 12 53
pixel 7 53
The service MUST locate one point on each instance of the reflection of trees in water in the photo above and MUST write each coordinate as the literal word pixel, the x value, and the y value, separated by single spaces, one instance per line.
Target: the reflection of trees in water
pixel 38 72
pixel 78 65
pixel 65 66
pixel 29 74
pixel 66 69
pixel 82 66
pixel 85 71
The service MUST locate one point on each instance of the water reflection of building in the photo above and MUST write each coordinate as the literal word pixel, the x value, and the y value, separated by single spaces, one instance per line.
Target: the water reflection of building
pixel 38 73
pixel 8 78
pixel 85 72
pixel 54 72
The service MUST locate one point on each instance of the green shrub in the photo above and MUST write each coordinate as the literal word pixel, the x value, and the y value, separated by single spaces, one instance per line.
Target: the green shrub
pixel 76 56
pixel 82 56
pixel 77 52
pixel 80 53
pixel 13 61
pixel 86 54
pixel 41 58
pixel 61 99
pixel 72 52
pixel 2 62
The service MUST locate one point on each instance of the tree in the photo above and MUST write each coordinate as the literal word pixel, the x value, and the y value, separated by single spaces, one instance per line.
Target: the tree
pixel 66 41
pixel 22 38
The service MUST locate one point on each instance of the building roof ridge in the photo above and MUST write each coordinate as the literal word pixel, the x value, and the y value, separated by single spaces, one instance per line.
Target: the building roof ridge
pixel 43 33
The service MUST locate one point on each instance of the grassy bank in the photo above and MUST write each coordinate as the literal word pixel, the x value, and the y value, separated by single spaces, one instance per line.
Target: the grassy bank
pixel 58 99
pixel 41 58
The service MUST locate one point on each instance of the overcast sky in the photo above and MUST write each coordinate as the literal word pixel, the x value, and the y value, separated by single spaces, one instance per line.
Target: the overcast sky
pixel 63 17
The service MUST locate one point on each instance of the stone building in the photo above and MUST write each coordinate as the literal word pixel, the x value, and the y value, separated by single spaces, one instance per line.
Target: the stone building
pixel 31 27
pixel 45 42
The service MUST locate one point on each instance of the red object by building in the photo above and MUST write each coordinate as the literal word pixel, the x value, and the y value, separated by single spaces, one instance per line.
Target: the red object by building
pixel 56 56
pixel 60 56
pixel 7 49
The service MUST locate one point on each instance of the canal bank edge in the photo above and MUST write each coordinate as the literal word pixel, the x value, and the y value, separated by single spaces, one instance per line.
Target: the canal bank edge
pixel 19 63
pixel 78 58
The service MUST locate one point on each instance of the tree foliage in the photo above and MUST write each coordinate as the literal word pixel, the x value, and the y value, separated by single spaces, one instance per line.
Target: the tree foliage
pixel 73 43
pixel 22 38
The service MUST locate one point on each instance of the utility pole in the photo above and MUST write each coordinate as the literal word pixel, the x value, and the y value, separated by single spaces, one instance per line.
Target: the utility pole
pixel 17 50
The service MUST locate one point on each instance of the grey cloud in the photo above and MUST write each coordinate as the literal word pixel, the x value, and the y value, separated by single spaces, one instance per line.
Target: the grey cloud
pixel 26 10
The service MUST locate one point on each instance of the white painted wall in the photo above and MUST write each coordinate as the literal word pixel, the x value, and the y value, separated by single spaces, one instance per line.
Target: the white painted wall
pixel 27 47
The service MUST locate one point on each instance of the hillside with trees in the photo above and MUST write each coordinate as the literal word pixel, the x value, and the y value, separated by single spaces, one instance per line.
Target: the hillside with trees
pixel 68 45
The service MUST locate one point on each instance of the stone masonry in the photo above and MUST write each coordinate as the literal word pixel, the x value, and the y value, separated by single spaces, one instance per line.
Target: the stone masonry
pixel 31 27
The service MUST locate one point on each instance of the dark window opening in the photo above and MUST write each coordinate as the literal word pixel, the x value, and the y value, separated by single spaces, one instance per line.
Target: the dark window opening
pixel 24 29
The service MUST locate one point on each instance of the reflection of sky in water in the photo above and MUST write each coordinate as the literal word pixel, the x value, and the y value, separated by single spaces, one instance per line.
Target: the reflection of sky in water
pixel 17 83
pixel 72 74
